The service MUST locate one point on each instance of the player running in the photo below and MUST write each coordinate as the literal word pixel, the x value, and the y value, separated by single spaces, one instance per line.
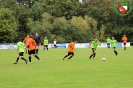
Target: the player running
pixel 124 40
pixel 108 42
pixel 113 43
pixel 94 45
pixel 32 46
pixel 71 49
pixel 20 49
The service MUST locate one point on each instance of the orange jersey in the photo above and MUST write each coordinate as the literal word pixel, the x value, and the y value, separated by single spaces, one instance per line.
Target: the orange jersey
pixel 31 44
pixel 26 40
pixel 124 39
pixel 71 47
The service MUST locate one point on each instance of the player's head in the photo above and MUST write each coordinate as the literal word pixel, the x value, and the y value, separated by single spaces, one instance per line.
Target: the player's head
pixel 75 41
pixel 27 36
pixel 96 39
pixel 112 37
pixel 124 35
pixel 36 34
pixel 45 37
pixel 20 39
pixel 31 36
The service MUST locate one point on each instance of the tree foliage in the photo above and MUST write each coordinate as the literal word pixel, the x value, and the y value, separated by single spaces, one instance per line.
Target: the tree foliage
pixel 63 19
pixel 8 26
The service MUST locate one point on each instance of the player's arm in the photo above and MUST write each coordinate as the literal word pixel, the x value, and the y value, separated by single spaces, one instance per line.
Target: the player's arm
pixel 122 38
pixel 73 47
pixel 90 45
pixel 116 41
pixel 28 42
pixel 99 44
pixel 34 42
pixel 17 49
pixel 24 40
pixel 69 45
pixel 110 41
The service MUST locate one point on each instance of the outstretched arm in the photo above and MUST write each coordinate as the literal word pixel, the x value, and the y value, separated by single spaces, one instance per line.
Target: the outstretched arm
pixel 90 45
pixel 17 49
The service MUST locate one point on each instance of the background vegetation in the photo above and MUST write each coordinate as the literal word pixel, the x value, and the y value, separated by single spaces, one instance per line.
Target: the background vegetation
pixel 63 19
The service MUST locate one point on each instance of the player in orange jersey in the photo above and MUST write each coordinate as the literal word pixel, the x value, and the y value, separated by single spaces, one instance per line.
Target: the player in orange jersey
pixel 32 47
pixel 124 40
pixel 70 50
pixel 26 39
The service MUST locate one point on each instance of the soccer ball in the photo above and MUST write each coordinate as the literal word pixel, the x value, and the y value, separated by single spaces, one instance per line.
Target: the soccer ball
pixel 103 59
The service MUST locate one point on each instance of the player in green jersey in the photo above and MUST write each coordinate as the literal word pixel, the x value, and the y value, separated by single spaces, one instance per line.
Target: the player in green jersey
pixel 45 43
pixel 113 43
pixel 20 49
pixel 108 42
pixel 94 44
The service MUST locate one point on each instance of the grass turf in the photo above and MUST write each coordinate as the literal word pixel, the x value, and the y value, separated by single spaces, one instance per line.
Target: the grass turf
pixel 79 72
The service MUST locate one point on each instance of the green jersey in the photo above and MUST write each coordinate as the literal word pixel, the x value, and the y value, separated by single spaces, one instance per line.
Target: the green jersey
pixel 45 42
pixel 20 46
pixel 113 43
pixel 108 40
pixel 95 44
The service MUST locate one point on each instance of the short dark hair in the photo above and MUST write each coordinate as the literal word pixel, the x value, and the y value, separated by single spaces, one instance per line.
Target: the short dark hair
pixel 20 39
pixel 31 36
pixel 74 40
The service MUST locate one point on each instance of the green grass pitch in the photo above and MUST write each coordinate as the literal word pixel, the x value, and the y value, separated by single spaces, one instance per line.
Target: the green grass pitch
pixel 79 72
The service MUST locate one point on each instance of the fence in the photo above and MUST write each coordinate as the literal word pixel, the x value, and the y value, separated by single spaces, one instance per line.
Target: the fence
pixel 64 45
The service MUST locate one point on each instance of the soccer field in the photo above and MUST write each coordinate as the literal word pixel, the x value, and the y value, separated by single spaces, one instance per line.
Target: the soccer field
pixel 79 72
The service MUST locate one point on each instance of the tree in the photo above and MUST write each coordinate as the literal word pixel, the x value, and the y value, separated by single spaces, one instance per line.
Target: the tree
pixel 42 27
pixel 8 26
pixel 36 12
pixel 83 31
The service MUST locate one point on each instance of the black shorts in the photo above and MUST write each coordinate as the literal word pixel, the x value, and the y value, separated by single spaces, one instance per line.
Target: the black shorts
pixel 93 49
pixel 54 45
pixel 108 44
pixel 113 47
pixel 71 53
pixel 124 43
pixel 31 52
pixel 45 45
pixel 21 53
